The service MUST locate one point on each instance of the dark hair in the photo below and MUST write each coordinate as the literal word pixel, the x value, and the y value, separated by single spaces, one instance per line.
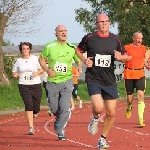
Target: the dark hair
pixel 24 43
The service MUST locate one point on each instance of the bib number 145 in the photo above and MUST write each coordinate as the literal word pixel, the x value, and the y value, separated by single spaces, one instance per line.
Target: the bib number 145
pixel 102 60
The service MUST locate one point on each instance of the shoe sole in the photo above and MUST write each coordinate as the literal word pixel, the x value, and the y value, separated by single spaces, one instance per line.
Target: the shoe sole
pixel 140 126
pixel 30 133
pixel 61 139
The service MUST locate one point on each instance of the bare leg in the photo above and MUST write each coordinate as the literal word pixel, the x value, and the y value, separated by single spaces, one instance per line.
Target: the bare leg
pixel 98 105
pixel 109 119
pixel 72 104
pixel 29 116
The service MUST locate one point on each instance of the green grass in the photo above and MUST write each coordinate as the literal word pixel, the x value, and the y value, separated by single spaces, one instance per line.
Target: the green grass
pixel 11 99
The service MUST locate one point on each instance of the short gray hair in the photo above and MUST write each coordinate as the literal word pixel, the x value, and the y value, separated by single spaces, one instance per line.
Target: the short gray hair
pixel 134 34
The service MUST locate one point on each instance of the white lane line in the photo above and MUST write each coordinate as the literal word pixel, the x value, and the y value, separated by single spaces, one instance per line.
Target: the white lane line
pixel 72 141
pixel 126 130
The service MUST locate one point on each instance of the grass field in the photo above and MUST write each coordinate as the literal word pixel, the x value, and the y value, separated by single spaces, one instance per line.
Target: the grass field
pixel 10 97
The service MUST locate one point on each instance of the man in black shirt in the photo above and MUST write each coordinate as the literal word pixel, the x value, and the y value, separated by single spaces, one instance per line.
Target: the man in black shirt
pixel 102 48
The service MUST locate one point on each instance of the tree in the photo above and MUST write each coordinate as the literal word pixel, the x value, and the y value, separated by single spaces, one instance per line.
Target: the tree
pixel 131 15
pixel 18 17
pixel 7 43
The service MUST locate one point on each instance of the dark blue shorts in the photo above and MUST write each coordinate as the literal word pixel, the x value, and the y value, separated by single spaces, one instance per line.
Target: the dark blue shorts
pixel 107 91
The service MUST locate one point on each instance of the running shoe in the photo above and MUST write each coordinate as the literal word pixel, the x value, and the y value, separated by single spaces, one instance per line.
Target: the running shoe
pixel 93 126
pixel 61 137
pixel 35 115
pixel 72 108
pixel 102 144
pixel 128 111
pixel 56 124
pixel 50 113
pixel 31 131
pixel 140 124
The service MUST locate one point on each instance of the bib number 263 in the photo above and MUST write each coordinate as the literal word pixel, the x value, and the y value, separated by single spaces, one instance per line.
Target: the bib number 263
pixel 60 67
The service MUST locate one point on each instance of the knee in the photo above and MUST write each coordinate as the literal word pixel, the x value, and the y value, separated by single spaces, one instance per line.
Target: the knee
pixel 140 97
pixel 97 109
pixel 110 114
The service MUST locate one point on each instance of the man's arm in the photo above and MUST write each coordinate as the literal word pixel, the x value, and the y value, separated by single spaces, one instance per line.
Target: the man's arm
pixel 87 61
pixel 79 66
pixel 121 58
pixel 80 55
pixel 43 63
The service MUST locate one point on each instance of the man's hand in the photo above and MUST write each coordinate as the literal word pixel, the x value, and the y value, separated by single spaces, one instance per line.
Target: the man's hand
pixel 80 70
pixel 50 72
pixel 118 55
pixel 122 58
pixel 147 67
pixel 88 62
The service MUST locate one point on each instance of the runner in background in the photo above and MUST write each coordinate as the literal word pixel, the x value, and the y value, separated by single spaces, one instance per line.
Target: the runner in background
pixel 134 75
pixel 76 75
pixel 28 70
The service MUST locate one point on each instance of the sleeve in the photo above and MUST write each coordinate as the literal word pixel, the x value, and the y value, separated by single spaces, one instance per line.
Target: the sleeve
pixel 16 66
pixel 76 58
pixel 82 47
pixel 45 51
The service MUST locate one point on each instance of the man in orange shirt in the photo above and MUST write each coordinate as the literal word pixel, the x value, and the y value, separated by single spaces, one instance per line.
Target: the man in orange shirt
pixel 75 74
pixel 134 75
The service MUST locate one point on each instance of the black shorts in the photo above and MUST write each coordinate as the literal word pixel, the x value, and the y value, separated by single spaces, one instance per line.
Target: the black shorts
pixel 108 92
pixel 31 95
pixel 75 91
pixel 138 84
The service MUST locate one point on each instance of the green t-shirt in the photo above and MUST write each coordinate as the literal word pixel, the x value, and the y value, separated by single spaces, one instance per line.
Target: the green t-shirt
pixel 60 58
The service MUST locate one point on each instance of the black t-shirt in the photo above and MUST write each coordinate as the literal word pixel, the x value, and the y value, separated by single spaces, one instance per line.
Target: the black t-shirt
pixel 102 51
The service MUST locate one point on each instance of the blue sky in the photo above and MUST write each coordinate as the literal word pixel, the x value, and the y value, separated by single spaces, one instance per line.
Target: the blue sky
pixel 59 12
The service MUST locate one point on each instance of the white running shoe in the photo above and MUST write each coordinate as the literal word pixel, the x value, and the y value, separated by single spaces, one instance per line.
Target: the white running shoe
pixel 31 131
pixel 93 126
pixel 102 144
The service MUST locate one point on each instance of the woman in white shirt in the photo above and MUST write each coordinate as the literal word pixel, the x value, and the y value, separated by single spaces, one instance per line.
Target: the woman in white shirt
pixel 28 69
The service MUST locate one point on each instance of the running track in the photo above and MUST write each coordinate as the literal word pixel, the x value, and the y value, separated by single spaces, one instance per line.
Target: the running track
pixel 123 136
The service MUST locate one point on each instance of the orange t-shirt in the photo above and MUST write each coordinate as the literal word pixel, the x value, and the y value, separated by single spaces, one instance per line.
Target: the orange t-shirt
pixel 75 75
pixel 137 62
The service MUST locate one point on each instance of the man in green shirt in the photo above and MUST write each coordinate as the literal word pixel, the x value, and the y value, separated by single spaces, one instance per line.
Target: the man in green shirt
pixel 60 54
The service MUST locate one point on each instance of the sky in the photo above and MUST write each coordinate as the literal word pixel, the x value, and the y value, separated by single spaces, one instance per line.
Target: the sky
pixel 59 12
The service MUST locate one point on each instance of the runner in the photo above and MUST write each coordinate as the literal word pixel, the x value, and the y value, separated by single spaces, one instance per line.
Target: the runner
pixel 28 69
pixel 103 48
pixel 60 83
pixel 75 88
pixel 134 75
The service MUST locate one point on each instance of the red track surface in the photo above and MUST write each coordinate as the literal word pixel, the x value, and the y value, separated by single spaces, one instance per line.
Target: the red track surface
pixel 123 136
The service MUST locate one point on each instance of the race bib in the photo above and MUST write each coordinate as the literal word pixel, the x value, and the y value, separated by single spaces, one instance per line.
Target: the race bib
pixel 102 60
pixel 60 67
pixel 26 76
